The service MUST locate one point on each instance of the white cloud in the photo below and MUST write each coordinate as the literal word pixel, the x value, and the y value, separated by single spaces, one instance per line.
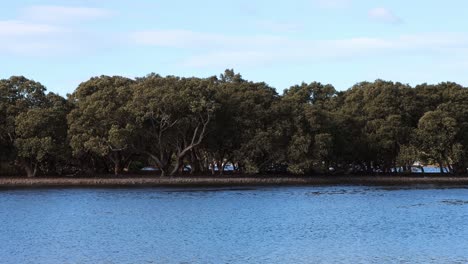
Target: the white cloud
pixel 27 38
pixel 49 30
pixel 53 13
pixel 382 14
pixel 333 3
pixel 21 28
pixel 211 49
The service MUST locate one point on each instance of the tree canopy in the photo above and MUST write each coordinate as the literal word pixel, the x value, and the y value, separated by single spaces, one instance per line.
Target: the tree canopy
pixel 114 124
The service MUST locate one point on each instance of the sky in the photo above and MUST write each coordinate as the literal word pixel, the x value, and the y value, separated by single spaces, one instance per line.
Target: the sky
pixel 342 42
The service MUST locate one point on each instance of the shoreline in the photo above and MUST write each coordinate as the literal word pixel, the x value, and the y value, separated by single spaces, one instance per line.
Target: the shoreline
pixel 150 182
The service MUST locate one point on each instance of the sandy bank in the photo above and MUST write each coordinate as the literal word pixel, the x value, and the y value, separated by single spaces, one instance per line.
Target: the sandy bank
pixel 228 181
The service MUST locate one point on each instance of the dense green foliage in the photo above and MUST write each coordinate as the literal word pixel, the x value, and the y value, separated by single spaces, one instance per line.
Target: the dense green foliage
pixel 115 125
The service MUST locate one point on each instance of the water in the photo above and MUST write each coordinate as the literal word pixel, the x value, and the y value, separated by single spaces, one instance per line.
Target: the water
pixel 262 225
pixel 427 170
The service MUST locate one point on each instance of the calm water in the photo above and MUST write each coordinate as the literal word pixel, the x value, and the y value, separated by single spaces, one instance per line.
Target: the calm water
pixel 263 225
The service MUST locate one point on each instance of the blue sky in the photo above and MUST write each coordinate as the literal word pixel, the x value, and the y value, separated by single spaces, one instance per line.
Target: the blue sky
pixel 62 43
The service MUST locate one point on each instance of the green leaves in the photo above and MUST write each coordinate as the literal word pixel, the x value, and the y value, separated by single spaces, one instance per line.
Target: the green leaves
pixel 173 115
pixel 436 135
pixel 33 124
pixel 35 148
pixel 169 122
pixel 102 122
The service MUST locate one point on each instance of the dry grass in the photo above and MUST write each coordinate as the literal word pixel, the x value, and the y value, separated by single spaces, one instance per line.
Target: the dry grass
pixel 227 181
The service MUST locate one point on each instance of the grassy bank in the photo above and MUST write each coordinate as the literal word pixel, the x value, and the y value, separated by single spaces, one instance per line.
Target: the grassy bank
pixel 11 182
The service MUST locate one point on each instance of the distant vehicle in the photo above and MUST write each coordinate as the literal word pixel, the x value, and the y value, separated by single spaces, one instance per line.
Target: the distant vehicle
pixel 186 168
pixel 149 168
pixel 421 169
pixel 228 167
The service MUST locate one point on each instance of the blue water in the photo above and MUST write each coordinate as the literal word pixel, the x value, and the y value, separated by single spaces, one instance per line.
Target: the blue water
pixel 261 225
pixel 414 169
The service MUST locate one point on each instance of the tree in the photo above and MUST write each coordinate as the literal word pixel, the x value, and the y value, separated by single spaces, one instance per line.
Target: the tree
pixel 243 129
pixel 436 134
pixel 172 122
pixel 40 138
pixel 378 119
pixel 456 107
pixel 310 111
pixel 407 156
pixel 173 115
pixel 33 127
pixel 101 122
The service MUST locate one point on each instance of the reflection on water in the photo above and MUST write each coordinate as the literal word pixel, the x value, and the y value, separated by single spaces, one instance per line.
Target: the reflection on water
pixel 455 202
pixel 235 225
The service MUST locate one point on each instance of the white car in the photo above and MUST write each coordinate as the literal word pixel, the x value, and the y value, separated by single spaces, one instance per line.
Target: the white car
pixel 149 169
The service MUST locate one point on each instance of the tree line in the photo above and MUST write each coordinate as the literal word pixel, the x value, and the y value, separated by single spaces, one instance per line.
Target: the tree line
pixel 116 125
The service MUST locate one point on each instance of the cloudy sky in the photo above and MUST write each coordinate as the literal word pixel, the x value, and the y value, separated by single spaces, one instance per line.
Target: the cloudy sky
pixel 62 43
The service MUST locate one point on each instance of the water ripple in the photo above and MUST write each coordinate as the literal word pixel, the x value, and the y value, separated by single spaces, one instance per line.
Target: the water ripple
pixel 232 225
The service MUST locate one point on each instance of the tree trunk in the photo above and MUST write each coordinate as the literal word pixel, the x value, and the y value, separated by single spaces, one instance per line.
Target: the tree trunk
pixel 221 168
pixel 193 167
pixel 212 165
pixel 194 162
pixel 408 168
pixel 31 171
pixel 176 168
pixel 449 166
pixel 441 166
pixel 161 163
pixel 203 165
pixel 127 167
pixel 240 167
pixel 117 167
pixel 116 158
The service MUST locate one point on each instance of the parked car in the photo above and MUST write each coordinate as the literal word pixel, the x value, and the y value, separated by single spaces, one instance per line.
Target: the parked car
pixel 150 168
